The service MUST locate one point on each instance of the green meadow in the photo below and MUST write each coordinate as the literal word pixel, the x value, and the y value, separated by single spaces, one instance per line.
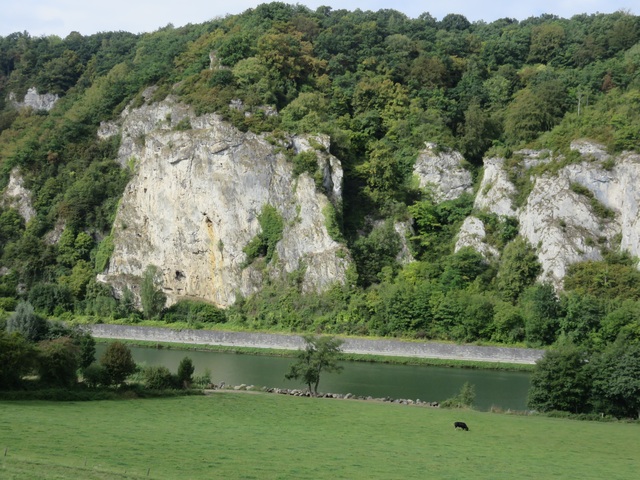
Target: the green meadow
pixel 265 436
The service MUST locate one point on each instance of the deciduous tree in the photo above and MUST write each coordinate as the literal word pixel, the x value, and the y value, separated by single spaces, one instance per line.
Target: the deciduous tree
pixel 320 354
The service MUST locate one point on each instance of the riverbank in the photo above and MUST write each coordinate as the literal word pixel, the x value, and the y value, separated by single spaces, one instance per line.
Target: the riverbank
pixel 355 346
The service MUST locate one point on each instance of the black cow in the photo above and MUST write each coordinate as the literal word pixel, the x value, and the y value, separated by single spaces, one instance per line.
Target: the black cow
pixel 461 425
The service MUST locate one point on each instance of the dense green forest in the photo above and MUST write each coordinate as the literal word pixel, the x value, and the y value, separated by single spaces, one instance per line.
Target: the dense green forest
pixel 379 84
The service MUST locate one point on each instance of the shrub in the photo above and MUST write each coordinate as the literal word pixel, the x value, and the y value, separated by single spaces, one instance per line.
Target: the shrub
pixel 193 312
pixel 47 297
pixel 158 378
pixel 8 304
pixel 464 399
pixel 58 361
pixel 24 321
pixel 95 375
pixel 264 244
pixel 118 362
pixel 185 372
pixel 16 359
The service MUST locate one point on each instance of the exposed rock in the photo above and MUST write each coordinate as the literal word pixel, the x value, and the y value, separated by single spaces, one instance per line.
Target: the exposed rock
pixel 17 196
pixel 443 172
pixel 472 234
pixel 496 190
pixel 33 99
pixel 193 205
pixel 560 224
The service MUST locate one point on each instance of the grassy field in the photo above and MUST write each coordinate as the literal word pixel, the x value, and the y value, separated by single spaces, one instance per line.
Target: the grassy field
pixel 262 436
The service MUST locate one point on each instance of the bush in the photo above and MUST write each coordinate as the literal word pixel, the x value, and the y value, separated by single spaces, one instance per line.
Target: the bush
pixel 185 372
pixel 192 312
pixel 118 362
pixel 95 375
pixel 24 321
pixel 16 359
pixel 158 378
pixel 58 361
pixel 8 304
pixel 464 399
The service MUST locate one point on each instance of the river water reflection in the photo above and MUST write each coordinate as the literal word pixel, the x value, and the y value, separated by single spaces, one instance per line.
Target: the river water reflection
pixel 507 390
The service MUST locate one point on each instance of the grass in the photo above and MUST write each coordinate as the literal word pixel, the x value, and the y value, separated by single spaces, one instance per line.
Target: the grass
pixel 261 436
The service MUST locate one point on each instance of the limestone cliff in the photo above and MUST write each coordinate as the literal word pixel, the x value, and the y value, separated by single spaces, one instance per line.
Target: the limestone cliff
pixel 570 215
pixel 17 196
pixel 193 203
pixel 35 100
pixel 442 172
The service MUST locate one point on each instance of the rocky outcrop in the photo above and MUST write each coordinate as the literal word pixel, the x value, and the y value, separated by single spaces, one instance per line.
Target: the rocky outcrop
pixel 496 190
pixel 35 100
pixel 570 215
pixel 192 206
pixel 443 173
pixel 472 234
pixel 17 196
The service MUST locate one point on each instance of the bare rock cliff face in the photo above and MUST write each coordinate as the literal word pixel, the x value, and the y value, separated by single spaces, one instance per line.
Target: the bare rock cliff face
pixel 35 100
pixel 194 201
pixel 443 172
pixel 563 223
pixel 17 196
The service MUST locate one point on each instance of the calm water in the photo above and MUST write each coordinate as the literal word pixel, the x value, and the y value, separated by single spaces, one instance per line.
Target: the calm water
pixel 503 389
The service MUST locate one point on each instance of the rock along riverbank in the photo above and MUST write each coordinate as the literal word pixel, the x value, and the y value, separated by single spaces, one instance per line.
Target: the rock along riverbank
pixel 393 348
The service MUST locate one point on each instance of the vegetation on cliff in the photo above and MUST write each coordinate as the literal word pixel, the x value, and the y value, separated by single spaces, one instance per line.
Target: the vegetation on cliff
pixel 380 85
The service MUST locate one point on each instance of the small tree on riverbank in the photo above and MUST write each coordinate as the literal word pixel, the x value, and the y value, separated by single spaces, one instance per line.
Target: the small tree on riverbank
pixel 118 362
pixel 320 354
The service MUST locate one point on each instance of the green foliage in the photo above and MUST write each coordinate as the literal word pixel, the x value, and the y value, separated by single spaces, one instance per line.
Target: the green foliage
pixel 17 357
pixel 264 244
pixel 518 269
pixel 58 361
pixel 27 323
pixel 185 372
pixel 542 310
pixel 152 298
pixel 376 251
pixel 158 378
pixel 616 380
pixel 103 254
pixel 332 222
pixel 436 224
pixel 118 362
pixel 95 375
pixel 305 162
pixel 194 312
pixel 184 124
pixel 320 354
pixel 561 381
pixel 48 298
pixel 464 399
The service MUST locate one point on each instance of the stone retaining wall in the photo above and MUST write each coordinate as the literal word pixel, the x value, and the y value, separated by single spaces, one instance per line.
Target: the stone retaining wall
pixel 293 342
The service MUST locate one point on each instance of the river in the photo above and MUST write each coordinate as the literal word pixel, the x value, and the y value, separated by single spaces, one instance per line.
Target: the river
pixel 504 389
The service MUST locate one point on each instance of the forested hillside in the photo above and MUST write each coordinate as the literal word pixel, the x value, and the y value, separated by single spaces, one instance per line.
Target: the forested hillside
pixel 380 85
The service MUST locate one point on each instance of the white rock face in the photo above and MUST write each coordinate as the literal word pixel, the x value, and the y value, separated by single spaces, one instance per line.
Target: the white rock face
pixel 33 99
pixel 443 173
pixel 562 226
pixel 18 197
pixel 496 190
pixel 193 205
pixel 472 234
